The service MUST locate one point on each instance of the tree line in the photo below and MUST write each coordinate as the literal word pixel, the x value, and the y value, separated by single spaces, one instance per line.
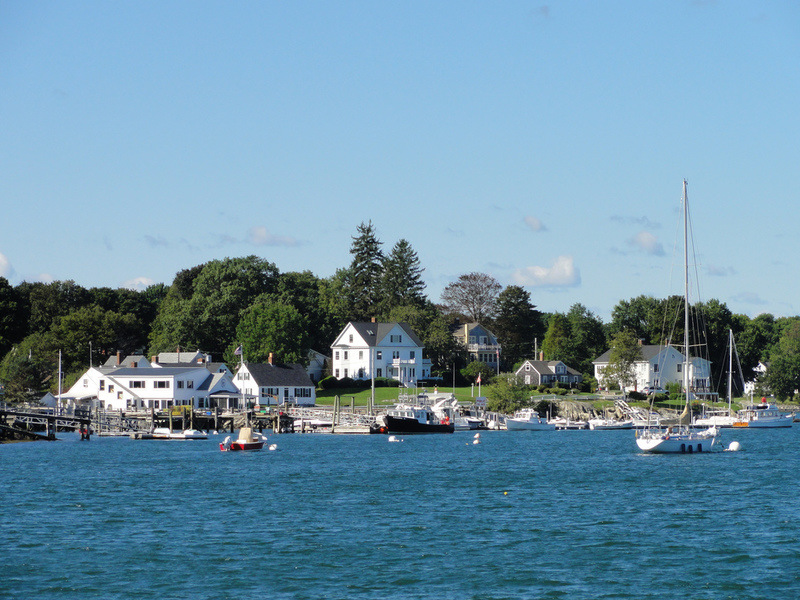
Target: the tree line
pixel 221 304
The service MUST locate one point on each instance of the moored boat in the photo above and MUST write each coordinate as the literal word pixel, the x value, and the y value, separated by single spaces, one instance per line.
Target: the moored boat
pixel 247 441
pixel 405 418
pixel 765 414
pixel 601 423
pixel 527 419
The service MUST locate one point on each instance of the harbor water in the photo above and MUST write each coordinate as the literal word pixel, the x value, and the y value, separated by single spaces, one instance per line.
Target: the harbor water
pixel 537 514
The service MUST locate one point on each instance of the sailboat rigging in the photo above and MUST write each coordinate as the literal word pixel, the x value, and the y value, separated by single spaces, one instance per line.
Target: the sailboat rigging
pixel 681 439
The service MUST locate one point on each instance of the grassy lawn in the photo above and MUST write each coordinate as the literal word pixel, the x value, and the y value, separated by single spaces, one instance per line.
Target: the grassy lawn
pixel 386 395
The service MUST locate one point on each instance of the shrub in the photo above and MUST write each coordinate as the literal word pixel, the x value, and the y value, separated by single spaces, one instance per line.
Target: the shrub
pixel 328 383
pixel 634 395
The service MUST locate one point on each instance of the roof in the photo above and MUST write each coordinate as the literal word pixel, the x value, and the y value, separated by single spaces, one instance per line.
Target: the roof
pixel 112 360
pixel 549 366
pixel 374 333
pixel 458 328
pixel 140 372
pixel 180 357
pixel 279 374
pixel 649 352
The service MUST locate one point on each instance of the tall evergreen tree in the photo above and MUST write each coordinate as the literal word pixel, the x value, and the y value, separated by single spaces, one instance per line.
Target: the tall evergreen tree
pixel 365 273
pixel 402 283
pixel 517 324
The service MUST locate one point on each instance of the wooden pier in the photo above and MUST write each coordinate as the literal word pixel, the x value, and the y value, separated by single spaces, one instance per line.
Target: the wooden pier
pixel 29 424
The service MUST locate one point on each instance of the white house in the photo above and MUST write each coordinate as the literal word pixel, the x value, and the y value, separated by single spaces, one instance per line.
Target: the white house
pixel 537 372
pixel 317 364
pixel 660 365
pixel 274 383
pixel 392 350
pixel 138 385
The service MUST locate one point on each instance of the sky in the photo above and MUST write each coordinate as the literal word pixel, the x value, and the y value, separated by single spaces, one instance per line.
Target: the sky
pixel 542 143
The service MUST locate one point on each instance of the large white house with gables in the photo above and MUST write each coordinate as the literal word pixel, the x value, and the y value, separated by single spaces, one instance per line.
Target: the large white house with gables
pixel 659 366
pixel 137 388
pixel 370 349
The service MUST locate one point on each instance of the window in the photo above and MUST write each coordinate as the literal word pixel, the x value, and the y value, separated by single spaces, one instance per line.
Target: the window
pixel 102 384
pixel 345 372
pixel 336 373
pixel 110 388
pixel 302 392
pixel 396 339
pixel 345 357
pixel 378 355
pixel 190 385
pixel 119 395
pixel 360 354
pixel 655 368
pixel 180 385
pixel 527 367
pixel 136 384
pixel 412 354
pixel 680 367
pixel 395 354
pixel 336 355
pixel 472 339
pixel 161 385
pixel 351 338
pixel 379 372
pixel 85 383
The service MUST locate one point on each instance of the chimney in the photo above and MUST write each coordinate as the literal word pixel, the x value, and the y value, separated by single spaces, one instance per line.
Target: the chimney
pixel 133 364
pixel 372 320
pixel 541 356
pixel 154 360
pixel 641 342
pixel 270 359
pixel 119 358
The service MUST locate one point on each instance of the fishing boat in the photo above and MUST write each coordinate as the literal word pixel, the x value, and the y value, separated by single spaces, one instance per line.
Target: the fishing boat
pixel 405 418
pixel 246 442
pixel 764 414
pixel 527 419
pixel 680 439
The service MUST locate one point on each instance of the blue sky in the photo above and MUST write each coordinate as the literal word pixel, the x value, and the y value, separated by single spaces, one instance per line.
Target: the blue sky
pixel 542 143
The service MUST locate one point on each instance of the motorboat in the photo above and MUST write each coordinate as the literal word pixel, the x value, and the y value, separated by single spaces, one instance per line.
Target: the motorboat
pixel 765 414
pixel 165 433
pixel 564 423
pixel 247 441
pixel 405 418
pixel 527 419
pixel 602 423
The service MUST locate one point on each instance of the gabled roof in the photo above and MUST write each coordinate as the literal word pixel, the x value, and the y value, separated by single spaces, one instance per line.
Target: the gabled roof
pixel 374 333
pixel 278 374
pixel 181 358
pixel 649 352
pixel 112 360
pixel 549 366
pixel 458 329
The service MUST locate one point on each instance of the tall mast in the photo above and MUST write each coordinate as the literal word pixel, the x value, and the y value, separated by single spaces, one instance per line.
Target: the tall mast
pixel 730 369
pixel 686 290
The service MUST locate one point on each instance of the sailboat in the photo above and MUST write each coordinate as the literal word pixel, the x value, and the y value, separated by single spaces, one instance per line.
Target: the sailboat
pixel 680 439
pixel 721 418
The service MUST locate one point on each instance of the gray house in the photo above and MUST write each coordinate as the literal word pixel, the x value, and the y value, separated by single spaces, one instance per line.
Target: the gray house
pixel 548 372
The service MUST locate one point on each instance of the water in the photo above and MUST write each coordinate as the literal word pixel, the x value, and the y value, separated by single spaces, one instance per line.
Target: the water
pixel 564 514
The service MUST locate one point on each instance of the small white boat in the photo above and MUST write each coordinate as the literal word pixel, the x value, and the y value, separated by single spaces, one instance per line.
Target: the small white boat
pixel 164 433
pixel 527 419
pixel 600 423
pixel 564 423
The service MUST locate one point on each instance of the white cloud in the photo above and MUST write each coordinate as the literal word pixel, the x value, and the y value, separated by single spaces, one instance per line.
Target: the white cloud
pixel 5 266
pixel 563 273
pixel 261 237
pixel 648 243
pixel 138 283
pixel 535 224
pixel 45 278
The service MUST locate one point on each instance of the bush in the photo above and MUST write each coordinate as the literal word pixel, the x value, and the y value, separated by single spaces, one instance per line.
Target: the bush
pixel 328 383
pixel 639 396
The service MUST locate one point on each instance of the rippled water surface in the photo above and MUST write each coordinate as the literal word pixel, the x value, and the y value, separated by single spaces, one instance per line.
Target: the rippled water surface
pixel 574 514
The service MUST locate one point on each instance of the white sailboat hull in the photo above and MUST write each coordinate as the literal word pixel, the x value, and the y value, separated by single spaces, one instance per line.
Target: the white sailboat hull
pixel 663 442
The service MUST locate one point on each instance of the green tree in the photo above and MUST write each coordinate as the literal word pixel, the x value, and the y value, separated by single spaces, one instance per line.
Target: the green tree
pixel 557 344
pixel 473 295
pixel 402 283
pixel 507 394
pixel 12 317
pixel 219 292
pixel 755 339
pixel 588 337
pixel 29 368
pixel 47 301
pixel 304 291
pixel 517 324
pixel 364 277
pixel 783 373
pixel 477 368
pixel 270 326
pixel 625 353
